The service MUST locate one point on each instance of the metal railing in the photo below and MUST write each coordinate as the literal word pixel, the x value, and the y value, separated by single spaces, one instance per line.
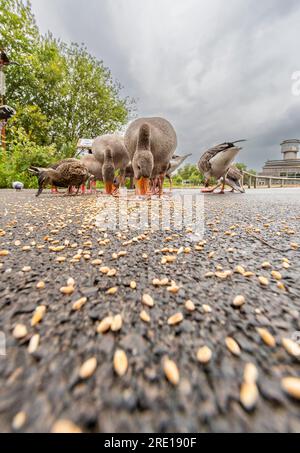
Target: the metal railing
pixel 257 181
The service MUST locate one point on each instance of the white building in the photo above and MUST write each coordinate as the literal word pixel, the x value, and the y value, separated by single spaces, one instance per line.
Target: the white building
pixel 289 166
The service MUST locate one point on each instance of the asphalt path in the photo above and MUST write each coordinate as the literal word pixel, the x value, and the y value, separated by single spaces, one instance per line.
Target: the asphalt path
pixel 134 264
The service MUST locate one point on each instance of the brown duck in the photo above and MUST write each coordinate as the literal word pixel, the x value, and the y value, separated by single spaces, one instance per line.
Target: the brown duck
pixel 120 156
pixel 57 164
pixel 68 174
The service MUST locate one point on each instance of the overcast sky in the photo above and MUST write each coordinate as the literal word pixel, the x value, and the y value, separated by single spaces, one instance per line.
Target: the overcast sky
pixel 218 70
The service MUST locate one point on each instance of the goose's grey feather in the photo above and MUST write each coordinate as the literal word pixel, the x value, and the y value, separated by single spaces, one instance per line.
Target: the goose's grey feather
pixel 157 151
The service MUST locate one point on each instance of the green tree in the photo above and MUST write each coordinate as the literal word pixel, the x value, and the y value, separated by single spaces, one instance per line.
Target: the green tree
pixel 241 166
pixel 75 92
pixel 33 122
pixel 19 37
pixel 18 29
pixel 25 153
pixel 91 104
pixel 60 92
pixel 187 171
pixel 177 180
pixel 191 173
pixel 196 179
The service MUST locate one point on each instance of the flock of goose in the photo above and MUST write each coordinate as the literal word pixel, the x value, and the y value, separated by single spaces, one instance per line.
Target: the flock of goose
pixel 146 154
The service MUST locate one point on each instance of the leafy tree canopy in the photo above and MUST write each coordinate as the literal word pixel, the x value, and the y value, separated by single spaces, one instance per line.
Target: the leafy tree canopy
pixel 189 173
pixel 243 167
pixel 60 91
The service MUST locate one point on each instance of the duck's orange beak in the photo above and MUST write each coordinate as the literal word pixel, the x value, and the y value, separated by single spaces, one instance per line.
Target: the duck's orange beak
pixel 109 188
pixel 143 186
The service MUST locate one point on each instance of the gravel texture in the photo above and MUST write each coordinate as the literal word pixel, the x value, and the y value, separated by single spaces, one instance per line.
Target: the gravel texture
pixel 155 382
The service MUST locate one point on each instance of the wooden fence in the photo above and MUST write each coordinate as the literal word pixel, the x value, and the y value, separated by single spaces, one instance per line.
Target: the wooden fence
pixel 256 181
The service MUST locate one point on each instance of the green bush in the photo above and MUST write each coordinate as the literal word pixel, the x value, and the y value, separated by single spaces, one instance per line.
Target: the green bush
pixel 67 151
pixel 60 93
pixel 20 156
pixel 177 180
pixel 189 173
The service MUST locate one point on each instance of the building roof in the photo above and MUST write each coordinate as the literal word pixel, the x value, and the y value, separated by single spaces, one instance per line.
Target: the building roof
pixel 283 163
pixel 291 140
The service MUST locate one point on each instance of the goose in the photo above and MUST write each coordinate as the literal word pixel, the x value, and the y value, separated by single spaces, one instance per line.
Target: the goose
pixel 94 168
pixel 67 174
pixel 216 162
pixel 119 152
pixel 233 179
pixel 175 163
pixel 108 171
pixel 151 143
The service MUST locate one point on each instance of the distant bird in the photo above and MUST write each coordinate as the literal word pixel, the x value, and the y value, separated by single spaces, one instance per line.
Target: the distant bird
pixel 151 143
pixel 67 174
pixel 175 163
pixel 18 186
pixel 216 162
pixel 233 179
pixel 119 152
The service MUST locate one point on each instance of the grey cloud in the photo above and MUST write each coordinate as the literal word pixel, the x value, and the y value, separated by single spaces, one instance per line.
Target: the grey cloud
pixel 217 70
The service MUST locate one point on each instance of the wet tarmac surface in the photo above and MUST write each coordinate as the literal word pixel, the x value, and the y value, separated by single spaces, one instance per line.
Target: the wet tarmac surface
pixel 206 250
